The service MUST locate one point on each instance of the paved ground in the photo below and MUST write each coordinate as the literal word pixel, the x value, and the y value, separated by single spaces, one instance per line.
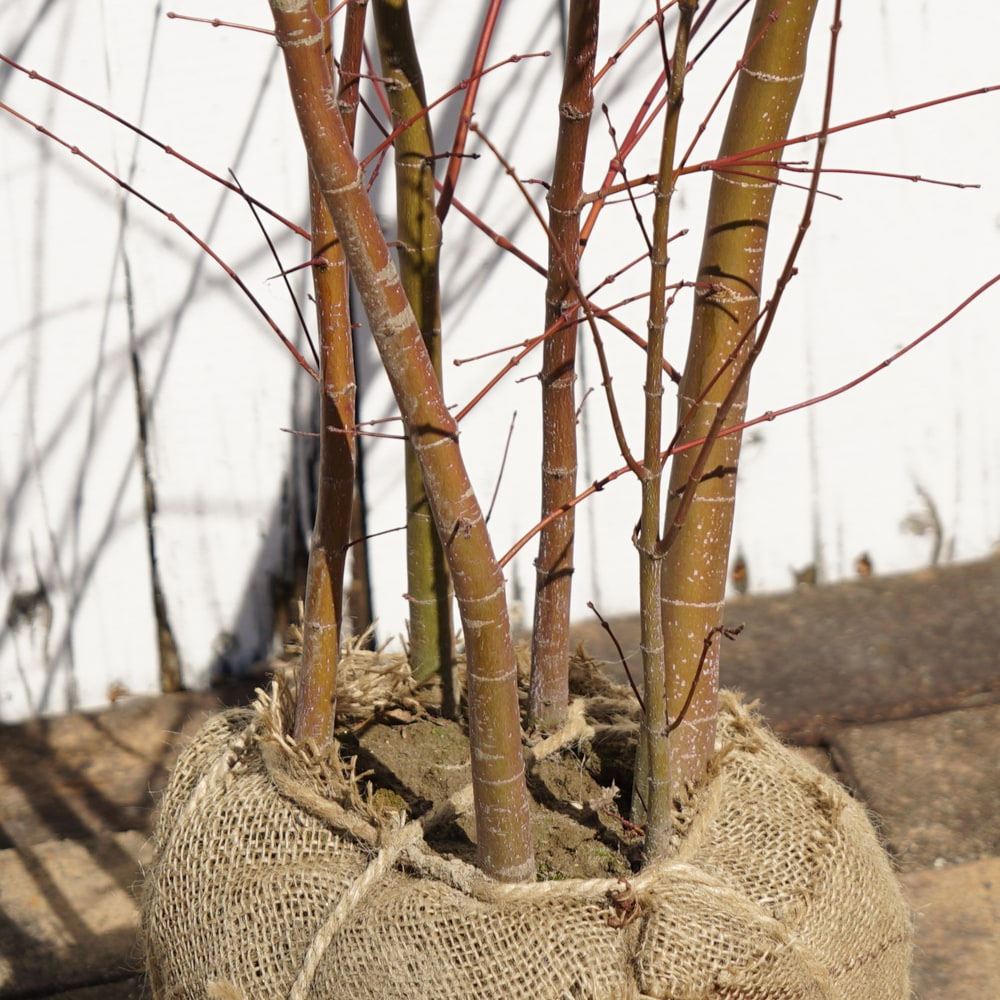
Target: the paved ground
pixel 892 684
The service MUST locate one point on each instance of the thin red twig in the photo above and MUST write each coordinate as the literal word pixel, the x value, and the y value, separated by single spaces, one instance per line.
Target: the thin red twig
pixel 216 22
pixel 620 51
pixel 890 115
pixel 466 84
pixel 599 484
pixel 170 217
pixel 169 150
pixel 729 633
pixel 616 421
pixel 621 654
pixel 503 465
pixel 468 105
pixel 284 276
pixel 740 64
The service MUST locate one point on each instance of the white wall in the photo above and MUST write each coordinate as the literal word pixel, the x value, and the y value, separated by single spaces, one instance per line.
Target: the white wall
pixel 87 275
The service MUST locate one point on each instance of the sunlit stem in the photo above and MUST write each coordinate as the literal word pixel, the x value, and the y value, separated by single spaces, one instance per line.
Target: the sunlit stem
pixel 322 622
pixel 503 821
pixel 653 758
pixel 549 692
pixel 732 260
pixel 418 240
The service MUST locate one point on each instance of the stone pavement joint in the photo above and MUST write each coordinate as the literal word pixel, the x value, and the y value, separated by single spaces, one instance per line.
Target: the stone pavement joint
pixel 933 782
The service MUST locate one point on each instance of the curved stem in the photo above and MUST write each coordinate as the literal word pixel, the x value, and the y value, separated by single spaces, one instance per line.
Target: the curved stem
pixel 503 822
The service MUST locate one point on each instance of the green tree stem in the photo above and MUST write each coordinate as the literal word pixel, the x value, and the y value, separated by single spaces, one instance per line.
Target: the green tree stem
pixel 653 758
pixel 732 260
pixel 419 246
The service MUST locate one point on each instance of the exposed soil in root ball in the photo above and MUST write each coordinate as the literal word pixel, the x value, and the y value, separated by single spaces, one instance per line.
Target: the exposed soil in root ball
pixel 415 761
pixel 423 763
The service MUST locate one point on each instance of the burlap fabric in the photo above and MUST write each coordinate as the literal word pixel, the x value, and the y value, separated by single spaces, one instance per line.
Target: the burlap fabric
pixel 273 877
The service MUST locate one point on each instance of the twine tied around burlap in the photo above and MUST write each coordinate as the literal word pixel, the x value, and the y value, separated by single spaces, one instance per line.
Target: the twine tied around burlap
pixel 275 877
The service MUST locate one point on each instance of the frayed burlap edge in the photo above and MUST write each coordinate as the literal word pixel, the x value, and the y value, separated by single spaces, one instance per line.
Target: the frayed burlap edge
pixel 329 790
pixel 369 681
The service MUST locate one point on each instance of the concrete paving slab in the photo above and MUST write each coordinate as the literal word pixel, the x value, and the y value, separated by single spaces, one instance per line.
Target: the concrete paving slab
pixel 822 660
pixel 933 782
pixel 90 773
pixel 68 915
pixel 957 925
pixel 862 651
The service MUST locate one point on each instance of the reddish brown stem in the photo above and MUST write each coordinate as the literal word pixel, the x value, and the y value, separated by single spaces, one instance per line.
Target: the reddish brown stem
pixel 503 827
pixel 549 689
pixel 322 621
pixel 582 300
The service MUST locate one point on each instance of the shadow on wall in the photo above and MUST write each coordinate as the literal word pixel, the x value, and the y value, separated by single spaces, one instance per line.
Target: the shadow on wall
pixel 58 538
pixel 273 586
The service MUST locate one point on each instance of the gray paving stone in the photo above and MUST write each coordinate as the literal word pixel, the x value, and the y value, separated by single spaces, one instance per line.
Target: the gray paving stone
pixel 934 783
pixel 90 773
pixel 957 926
pixel 68 916
pixel 822 661
pixel 862 651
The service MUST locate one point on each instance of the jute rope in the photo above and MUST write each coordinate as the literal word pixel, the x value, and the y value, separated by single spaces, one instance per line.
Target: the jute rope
pixel 398 841
pixel 407 843
pixel 723 904
pixel 216 776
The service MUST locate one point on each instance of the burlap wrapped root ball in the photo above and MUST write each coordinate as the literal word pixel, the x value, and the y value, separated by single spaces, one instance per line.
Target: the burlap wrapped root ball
pixel 274 878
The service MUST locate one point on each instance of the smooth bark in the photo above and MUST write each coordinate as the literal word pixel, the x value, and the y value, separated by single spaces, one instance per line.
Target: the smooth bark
pixel 699 519
pixel 418 241
pixel 549 689
pixel 503 826
pixel 323 603
pixel 653 757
